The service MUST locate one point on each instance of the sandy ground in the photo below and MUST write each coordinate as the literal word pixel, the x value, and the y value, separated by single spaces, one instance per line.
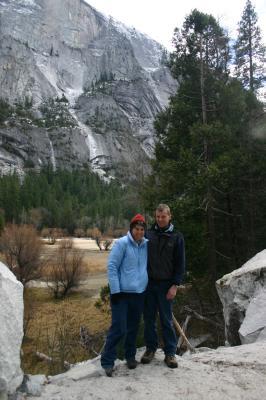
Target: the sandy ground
pixel 80 243
pixel 91 285
pixel 94 283
pixel 95 262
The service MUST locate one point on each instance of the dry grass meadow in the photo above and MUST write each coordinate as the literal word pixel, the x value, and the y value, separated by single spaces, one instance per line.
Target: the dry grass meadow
pixel 52 326
pixel 95 259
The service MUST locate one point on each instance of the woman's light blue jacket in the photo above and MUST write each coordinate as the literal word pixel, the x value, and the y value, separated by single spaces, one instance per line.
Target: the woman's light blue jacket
pixel 127 266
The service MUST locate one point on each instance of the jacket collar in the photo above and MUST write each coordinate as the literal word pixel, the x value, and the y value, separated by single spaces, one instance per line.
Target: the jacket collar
pixel 134 241
pixel 167 229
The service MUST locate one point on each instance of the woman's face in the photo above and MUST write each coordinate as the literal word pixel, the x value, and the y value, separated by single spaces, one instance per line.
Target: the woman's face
pixel 138 232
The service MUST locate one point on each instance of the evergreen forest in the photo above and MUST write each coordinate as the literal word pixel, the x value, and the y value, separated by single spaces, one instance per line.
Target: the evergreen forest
pixel 65 199
pixel 210 164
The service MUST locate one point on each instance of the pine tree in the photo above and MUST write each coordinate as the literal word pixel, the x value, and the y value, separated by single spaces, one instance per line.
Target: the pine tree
pixel 203 161
pixel 200 62
pixel 249 50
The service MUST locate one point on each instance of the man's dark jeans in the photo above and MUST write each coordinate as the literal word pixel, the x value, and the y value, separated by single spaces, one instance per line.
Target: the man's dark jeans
pixel 126 315
pixel 155 300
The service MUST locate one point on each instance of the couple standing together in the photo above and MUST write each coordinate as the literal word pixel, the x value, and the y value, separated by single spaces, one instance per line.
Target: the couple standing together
pixel 143 275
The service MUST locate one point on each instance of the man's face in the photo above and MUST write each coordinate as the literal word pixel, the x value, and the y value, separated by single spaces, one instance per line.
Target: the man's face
pixel 138 232
pixel 162 218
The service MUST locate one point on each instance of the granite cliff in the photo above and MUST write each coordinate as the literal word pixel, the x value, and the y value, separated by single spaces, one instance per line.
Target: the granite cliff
pixel 91 88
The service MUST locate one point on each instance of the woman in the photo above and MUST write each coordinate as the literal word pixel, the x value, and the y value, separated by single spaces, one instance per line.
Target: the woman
pixel 127 276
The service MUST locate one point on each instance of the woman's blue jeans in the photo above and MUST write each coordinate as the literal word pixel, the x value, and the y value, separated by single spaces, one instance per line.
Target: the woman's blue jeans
pixel 126 315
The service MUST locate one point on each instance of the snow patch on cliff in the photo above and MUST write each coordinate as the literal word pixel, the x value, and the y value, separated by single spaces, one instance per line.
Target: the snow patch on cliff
pixel 138 39
pixel 23 6
pixel 72 95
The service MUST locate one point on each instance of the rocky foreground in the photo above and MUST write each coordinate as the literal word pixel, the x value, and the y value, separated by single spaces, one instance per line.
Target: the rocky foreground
pixel 237 372
pixel 226 373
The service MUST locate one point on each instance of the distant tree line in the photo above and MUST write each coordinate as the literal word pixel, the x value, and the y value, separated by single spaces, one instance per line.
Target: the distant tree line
pixel 71 200
pixel 210 163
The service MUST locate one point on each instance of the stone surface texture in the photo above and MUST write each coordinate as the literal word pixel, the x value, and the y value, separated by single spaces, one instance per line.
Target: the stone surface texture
pixel 237 373
pixel 243 295
pixel 11 331
pixel 113 77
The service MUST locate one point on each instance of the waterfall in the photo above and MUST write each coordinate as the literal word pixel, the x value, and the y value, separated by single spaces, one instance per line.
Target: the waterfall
pixel 94 148
pixel 52 156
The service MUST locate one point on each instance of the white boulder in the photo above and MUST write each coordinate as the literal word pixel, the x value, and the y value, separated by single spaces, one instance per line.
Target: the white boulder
pixel 253 328
pixel 243 295
pixel 11 331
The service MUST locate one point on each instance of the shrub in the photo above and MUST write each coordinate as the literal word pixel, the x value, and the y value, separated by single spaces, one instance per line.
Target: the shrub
pixel 66 269
pixel 21 247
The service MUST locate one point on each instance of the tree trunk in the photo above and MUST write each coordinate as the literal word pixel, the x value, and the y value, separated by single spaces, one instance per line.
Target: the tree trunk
pixel 233 233
pixel 209 203
pixel 251 78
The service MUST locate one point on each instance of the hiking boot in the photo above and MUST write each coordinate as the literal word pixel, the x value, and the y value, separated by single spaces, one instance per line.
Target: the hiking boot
pixel 170 361
pixel 147 356
pixel 109 371
pixel 132 363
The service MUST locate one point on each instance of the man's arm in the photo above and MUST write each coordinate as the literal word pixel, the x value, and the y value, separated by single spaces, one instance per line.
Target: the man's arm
pixel 180 261
pixel 179 267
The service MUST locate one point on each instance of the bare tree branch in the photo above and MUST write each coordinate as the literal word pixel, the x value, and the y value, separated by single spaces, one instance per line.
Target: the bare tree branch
pixel 202 318
pixel 21 247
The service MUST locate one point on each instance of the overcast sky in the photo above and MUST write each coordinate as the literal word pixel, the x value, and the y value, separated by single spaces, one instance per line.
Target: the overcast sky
pixel 159 18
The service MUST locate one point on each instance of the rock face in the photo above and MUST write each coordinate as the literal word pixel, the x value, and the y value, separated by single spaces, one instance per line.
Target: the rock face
pixel 112 78
pixel 243 295
pixel 11 332
pixel 253 328
pixel 223 374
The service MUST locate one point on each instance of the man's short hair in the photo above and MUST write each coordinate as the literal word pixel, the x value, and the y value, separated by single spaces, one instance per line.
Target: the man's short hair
pixel 163 207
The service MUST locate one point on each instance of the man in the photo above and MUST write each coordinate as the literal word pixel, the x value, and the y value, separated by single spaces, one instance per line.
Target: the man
pixel 166 266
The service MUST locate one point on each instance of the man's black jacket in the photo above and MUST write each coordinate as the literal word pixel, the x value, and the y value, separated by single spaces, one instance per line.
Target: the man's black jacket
pixel 166 254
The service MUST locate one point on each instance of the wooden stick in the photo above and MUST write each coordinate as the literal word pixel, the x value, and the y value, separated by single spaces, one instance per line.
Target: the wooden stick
pixel 184 329
pixel 44 357
pixel 180 331
pixel 202 318
pixel 48 359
